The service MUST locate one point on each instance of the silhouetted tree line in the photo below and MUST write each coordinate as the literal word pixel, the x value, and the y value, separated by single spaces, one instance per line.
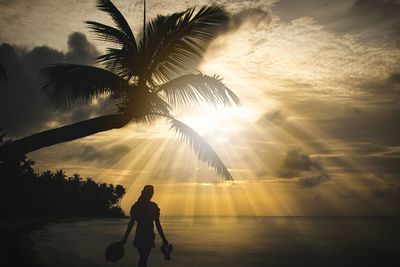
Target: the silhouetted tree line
pixel 25 193
pixel 28 193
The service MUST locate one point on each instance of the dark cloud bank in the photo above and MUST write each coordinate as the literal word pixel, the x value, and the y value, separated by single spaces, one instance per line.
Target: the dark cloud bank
pixel 309 170
pixel 23 107
pixel 373 20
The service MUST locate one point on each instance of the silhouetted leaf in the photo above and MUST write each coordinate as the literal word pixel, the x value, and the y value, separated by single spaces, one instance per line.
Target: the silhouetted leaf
pixel 200 146
pixel 127 59
pixel 119 20
pixel 175 44
pixel 149 108
pixel 196 88
pixel 69 84
pixel 109 34
pixel 121 61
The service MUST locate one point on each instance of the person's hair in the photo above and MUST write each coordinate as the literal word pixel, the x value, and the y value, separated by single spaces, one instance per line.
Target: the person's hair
pixel 147 193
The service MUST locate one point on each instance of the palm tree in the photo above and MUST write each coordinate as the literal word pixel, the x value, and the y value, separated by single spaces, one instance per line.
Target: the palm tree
pixel 144 79
pixel 119 192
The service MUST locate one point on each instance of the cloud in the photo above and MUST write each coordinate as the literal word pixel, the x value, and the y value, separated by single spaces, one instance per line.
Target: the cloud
pixel 372 20
pixel 295 162
pixel 23 108
pixel 105 155
pixel 309 170
pixel 253 16
pixel 378 126
pixel 353 194
pixel 321 10
pixel 312 181
pixel 386 192
pixel 366 130
pixel 354 110
pixel 273 117
pixel 80 50
pixel 376 19
pixel 390 85
pixel 246 17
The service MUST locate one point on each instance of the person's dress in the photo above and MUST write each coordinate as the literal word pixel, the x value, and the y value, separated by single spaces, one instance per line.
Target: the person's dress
pixel 144 213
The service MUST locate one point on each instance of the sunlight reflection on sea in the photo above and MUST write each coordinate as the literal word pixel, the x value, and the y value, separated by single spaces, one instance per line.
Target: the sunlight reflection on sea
pixel 228 241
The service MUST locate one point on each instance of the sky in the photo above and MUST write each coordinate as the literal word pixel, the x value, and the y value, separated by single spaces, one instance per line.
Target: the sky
pixel 317 131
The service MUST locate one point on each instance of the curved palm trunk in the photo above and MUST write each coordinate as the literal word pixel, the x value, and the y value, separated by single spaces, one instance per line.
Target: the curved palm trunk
pixel 62 134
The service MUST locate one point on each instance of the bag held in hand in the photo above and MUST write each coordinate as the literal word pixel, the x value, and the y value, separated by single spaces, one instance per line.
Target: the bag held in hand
pixel 166 249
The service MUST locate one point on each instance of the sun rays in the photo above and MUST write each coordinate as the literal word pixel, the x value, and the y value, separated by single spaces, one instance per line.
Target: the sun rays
pixel 251 150
pixel 184 186
pixel 285 74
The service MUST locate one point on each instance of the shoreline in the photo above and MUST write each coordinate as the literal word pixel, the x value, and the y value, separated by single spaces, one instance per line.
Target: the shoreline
pixel 17 247
pixel 65 243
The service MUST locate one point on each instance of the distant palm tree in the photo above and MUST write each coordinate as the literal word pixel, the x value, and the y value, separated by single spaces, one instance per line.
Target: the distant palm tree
pixel 119 192
pixel 144 79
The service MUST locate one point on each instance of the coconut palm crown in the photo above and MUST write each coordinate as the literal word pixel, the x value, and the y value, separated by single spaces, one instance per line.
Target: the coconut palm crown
pixel 144 78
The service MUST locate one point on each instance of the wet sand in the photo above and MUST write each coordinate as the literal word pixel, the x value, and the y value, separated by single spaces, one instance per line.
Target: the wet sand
pixel 234 242
pixel 16 246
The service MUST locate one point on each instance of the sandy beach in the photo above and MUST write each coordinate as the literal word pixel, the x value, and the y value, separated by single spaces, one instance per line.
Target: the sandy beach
pixel 227 241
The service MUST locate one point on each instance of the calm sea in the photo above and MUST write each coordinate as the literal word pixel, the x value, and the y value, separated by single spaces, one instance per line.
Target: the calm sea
pixel 234 242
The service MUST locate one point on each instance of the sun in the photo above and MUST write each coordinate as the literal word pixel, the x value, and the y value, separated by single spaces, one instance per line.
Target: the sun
pixel 216 122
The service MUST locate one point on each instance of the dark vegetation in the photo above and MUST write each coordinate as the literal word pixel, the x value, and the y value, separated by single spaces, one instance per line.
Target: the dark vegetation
pixel 29 200
pixel 25 193
pixel 29 194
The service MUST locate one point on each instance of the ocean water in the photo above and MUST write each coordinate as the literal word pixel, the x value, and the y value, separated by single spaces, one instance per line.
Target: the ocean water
pixel 231 241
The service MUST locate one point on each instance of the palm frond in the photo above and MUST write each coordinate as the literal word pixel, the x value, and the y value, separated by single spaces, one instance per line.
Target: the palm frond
pixel 203 150
pixel 151 116
pixel 70 84
pixel 159 105
pixel 108 33
pixel 198 88
pixel 146 119
pixel 119 20
pixel 124 60
pixel 121 61
pixel 144 106
pixel 142 102
pixel 175 44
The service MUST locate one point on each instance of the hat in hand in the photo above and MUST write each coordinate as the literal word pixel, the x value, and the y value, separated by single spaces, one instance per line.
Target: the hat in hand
pixel 114 252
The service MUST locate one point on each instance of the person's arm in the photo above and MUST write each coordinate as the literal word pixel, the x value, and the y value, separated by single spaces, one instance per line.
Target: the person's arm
pixel 128 230
pixel 160 230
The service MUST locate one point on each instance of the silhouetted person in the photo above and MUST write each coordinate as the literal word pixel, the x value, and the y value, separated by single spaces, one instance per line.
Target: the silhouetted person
pixel 145 212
